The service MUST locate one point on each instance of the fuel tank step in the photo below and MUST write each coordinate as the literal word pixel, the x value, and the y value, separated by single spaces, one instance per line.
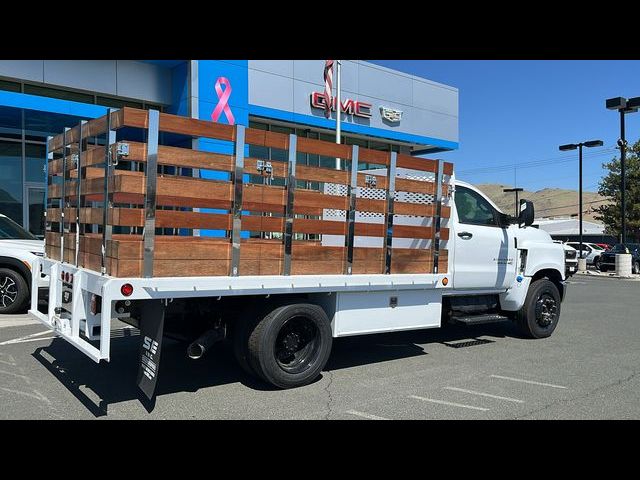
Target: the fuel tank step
pixel 479 319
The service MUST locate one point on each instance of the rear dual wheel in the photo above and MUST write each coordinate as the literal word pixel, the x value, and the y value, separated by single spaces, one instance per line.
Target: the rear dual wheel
pixel 288 347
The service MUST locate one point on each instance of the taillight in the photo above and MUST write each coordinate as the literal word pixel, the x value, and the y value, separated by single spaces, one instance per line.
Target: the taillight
pixel 62 276
pixel 71 278
pixel 126 289
pixel 66 277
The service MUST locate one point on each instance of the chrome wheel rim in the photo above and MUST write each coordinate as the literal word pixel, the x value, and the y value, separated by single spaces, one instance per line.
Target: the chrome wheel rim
pixel 8 291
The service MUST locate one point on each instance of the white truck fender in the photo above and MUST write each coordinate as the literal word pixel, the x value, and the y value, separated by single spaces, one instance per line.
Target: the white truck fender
pixel 543 255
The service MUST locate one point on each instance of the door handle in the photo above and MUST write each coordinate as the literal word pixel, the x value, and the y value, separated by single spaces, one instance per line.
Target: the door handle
pixel 465 235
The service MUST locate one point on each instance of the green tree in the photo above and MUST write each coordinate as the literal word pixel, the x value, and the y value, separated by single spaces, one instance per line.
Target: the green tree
pixel 609 187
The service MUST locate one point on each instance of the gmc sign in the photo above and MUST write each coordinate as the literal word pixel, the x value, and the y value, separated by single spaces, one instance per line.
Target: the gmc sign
pixel 348 106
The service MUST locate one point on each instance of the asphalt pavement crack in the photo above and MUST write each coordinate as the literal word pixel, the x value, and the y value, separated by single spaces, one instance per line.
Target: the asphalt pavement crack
pixel 580 397
pixel 330 397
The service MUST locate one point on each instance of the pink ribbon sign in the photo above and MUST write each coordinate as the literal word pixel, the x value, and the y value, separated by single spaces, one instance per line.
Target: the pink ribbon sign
pixel 223 101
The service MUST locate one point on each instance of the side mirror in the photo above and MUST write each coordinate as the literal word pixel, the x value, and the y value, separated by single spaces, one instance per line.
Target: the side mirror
pixel 527 213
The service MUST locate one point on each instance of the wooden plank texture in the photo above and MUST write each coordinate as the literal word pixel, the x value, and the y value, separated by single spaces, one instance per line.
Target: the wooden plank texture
pixel 263 206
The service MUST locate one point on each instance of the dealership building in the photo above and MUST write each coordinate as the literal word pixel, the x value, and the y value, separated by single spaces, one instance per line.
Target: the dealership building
pixel 381 109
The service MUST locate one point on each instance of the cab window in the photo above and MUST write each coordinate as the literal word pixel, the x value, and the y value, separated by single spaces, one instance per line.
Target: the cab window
pixel 474 209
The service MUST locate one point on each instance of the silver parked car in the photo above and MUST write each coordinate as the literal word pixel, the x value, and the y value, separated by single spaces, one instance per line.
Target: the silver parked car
pixel 590 251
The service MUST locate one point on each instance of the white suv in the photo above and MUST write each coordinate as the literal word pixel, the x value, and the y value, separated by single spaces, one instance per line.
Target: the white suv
pixel 590 251
pixel 18 248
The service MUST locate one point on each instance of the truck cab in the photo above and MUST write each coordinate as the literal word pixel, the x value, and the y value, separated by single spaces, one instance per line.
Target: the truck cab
pixel 495 260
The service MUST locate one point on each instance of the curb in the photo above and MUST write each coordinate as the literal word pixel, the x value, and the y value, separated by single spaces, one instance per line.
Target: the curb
pixel 608 275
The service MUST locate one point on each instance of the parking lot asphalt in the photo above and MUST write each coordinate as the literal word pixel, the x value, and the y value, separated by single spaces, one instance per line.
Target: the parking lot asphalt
pixel 588 369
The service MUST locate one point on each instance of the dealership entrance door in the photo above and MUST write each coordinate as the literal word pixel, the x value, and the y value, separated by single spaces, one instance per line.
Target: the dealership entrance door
pixel 34 209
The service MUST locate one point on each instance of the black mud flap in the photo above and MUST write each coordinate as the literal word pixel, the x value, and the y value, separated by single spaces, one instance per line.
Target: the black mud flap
pixel 151 327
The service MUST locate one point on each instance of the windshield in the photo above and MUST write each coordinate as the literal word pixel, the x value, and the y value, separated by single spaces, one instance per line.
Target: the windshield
pixel 10 230
pixel 619 248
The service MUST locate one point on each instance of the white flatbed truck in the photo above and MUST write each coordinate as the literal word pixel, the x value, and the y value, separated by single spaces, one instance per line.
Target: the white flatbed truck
pixel 282 326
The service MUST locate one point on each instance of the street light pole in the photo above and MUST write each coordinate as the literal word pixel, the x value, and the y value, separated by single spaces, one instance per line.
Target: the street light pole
pixel 623 158
pixel 573 146
pixel 517 191
pixel 580 192
pixel 623 106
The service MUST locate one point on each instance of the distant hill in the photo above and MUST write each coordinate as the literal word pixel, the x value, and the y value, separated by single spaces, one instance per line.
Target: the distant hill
pixel 549 202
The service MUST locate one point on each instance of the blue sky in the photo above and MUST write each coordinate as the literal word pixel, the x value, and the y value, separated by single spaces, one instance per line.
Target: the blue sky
pixel 514 112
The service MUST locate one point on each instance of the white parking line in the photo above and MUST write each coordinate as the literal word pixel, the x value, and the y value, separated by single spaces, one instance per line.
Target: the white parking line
pixel 13 342
pixel 529 381
pixel 21 339
pixel 442 402
pixel 482 394
pixel 365 415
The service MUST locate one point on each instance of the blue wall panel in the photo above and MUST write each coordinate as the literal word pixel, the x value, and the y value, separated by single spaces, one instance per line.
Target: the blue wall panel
pixel 209 72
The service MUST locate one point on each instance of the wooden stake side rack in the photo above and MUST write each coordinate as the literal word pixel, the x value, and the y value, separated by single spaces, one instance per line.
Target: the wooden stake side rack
pixel 84 175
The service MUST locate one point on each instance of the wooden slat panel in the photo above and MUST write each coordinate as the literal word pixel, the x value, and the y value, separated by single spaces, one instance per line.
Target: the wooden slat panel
pixel 92 128
pixel 94 155
pixel 263 138
pixel 129 187
pixel 320 147
pixel 255 223
pixel 197 267
pixel 448 168
pixel 366 155
pixel 416 163
pixel 263 259
pixel 183 157
pixel 132 117
pixel 175 256
pixel 98 172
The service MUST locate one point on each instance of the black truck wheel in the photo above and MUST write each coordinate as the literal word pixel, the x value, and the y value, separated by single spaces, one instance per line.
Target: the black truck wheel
pixel 596 263
pixel 14 291
pixel 636 267
pixel 539 315
pixel 290 346
pixel 240 339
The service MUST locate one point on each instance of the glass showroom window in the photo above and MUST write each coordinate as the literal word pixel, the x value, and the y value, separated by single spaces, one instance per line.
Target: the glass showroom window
pixel 11 180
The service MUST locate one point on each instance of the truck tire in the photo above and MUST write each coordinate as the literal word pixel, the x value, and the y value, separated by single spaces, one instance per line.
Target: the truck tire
pixel 636 267
pixel 14 291
pixel 290 346
pixel 240 340
pixel 539 315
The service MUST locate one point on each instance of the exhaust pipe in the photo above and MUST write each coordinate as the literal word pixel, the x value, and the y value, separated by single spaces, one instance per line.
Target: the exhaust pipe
pixel 203 343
